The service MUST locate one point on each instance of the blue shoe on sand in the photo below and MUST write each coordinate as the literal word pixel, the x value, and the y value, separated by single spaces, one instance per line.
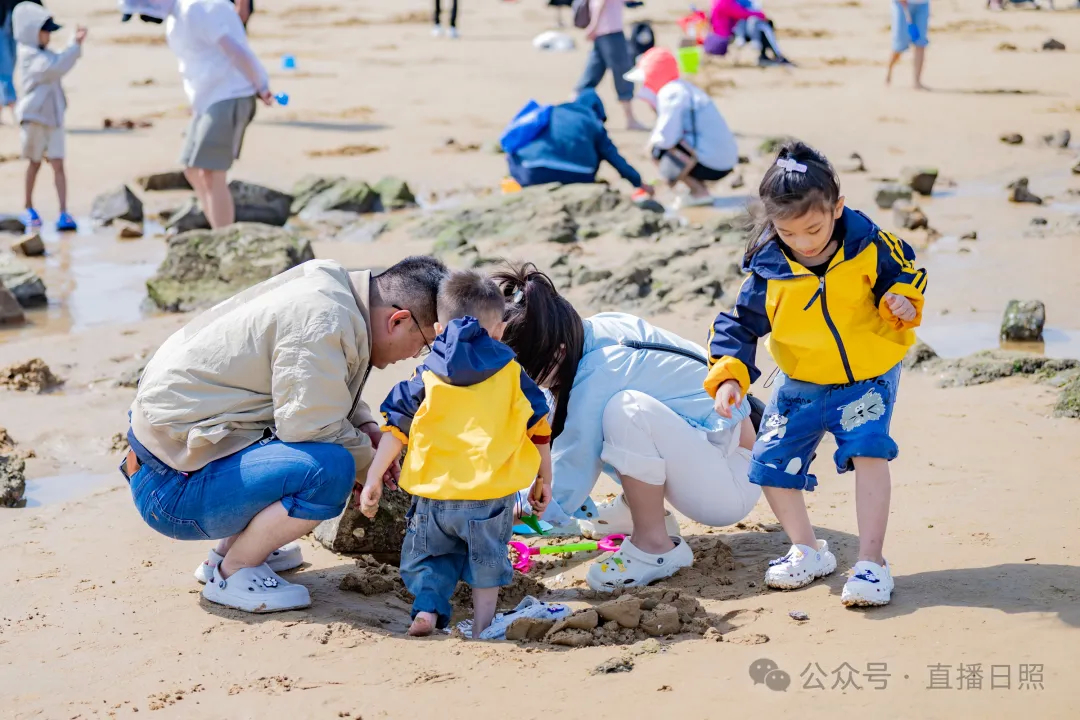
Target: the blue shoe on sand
pixel 65 223
pixel 31 218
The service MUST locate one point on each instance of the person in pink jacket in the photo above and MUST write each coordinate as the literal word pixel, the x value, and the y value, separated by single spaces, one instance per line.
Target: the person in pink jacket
pixel 728 15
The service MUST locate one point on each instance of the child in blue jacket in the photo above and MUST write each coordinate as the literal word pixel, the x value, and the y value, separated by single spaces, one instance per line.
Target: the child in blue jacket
pixel 569 150
pixel 477 432
pixel 839 299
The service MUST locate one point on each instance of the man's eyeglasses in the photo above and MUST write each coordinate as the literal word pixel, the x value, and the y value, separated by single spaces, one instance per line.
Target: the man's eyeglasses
pixel 426 350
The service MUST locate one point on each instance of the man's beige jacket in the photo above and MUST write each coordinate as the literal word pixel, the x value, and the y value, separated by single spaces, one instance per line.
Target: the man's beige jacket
pixel 291 354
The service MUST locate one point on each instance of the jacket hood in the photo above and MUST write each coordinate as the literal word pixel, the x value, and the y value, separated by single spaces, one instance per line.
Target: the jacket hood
pixel 26 21
pixel 589 99
pixel 466 355
pixel 159 9
pixel 772 264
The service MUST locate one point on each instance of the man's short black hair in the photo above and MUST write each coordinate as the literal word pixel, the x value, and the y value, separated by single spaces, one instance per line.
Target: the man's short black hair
pixel 413 285
pixel 467 292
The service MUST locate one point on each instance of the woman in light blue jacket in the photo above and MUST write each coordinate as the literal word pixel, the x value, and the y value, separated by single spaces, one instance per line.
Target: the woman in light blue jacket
pixel 629 401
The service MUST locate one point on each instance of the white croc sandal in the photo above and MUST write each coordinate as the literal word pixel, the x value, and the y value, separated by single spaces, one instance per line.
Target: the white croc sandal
pixel 256 590
pixel 630 567
pixel 286 557
pixel 801 566
pixel 613 518
pixel 870 585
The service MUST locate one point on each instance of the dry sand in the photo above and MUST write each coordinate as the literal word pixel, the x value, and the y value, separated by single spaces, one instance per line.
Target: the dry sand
pixel 100 617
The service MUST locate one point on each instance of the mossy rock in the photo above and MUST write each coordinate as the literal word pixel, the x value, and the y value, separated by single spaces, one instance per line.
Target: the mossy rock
pixel 381 537
pixel 310 186
pixel 1068 404
pixel 394 193
pixel 349 196
pixel 204 267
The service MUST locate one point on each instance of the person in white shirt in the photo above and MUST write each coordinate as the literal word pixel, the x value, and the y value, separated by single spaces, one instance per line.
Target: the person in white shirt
pixel 691 142
pixel 222 79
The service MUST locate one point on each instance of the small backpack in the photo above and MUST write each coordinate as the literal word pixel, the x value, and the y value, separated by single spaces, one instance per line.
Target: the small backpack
pixel 582 14
pixel 642 39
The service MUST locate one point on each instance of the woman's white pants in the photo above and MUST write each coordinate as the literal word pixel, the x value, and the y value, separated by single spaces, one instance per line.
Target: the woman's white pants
pixel 705 475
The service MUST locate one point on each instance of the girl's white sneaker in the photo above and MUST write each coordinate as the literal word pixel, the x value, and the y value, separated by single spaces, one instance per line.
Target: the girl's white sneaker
pixel 801 566
pixel 870 585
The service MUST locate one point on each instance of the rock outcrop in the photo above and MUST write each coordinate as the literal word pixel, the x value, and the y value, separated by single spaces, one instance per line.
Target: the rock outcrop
pixel 991 365
pixel 920 179
pixel 381 537
pixel 667 261
pixel 1020 193
pixel 888 194
pixel 118 204
pixel 29 376
pixel 204 267
pixel 394 194
pixel 1023 321
pixel 160 182
pixel 11 312
pixel 12 481
pixel 21 281
pixel 29 246
pixel 254 204
pixel 12 224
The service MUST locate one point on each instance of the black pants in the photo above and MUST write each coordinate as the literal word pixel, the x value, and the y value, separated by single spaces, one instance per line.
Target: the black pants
pixel 453 13
pixel 704 173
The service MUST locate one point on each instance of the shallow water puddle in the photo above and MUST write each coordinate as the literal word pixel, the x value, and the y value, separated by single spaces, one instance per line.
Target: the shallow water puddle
pixel 56 489
pixel 1067 208
pixel 92 278
pixel 953 341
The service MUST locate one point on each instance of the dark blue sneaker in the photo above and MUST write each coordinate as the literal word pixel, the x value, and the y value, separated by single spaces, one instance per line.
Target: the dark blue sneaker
pixel 65 223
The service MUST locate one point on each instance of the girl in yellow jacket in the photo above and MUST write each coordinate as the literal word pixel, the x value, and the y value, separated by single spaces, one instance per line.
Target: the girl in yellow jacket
pixel 839 299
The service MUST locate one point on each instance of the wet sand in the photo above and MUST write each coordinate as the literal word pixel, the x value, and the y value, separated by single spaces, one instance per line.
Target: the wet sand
pixel 101 616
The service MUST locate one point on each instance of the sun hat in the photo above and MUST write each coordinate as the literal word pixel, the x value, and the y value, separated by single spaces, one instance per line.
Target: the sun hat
pixel 655 69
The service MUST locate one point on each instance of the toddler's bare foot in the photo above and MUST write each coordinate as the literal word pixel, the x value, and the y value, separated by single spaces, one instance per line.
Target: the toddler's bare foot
pixel 423 624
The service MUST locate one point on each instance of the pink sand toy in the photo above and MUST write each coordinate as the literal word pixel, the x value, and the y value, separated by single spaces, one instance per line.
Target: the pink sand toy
pixel 521 555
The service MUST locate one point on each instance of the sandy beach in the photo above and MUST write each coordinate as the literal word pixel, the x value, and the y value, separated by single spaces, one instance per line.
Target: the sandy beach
pixel 100 617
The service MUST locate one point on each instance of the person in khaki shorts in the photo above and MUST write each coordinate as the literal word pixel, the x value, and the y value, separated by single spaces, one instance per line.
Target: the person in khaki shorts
pixel 222 79
pixel 42 106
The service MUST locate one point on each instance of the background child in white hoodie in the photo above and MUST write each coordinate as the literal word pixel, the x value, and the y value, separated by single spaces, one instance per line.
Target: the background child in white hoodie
pixel 41 108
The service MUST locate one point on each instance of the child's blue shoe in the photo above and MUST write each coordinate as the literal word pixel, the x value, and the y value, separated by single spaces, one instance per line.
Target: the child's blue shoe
pixel 65 223
pixel 31 218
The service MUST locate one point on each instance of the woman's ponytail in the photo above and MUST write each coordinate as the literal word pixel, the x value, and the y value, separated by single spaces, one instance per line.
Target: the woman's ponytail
pixel 545 331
